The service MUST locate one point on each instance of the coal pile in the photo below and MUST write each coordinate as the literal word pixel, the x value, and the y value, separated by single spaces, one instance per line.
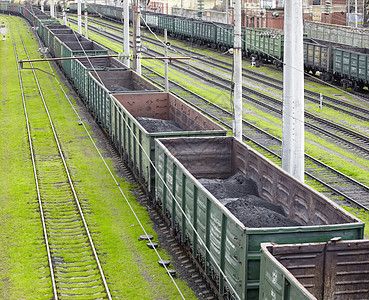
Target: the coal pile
pixel 240 196
pixel 118 88
pixel 157 125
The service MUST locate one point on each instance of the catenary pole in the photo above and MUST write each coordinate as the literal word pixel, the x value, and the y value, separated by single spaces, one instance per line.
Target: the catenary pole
pixel 237 61
pixel 86 20
pixel 52 8
pixel 293 91
pixel 126 60
pixel 138 37
pixel 79 13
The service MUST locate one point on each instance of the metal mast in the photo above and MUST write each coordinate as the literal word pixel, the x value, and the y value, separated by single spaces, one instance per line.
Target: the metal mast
pixel 126 53
pixel 293 91
pixel 52 8
pixel 237 61
pixel 79 13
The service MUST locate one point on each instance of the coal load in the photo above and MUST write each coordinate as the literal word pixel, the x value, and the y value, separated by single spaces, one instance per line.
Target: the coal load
pixel 157 125
pixel 240 196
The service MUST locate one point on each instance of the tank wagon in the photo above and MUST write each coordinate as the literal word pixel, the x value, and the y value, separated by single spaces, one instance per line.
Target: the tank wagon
pixel 317 271
pixel 183 163
pixel 213 232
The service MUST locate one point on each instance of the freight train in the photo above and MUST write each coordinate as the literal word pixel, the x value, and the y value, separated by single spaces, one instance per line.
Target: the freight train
pixel 181 169
pixel 346 64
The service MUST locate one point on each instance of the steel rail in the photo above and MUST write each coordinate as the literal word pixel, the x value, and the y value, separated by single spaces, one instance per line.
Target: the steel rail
pixel 52 275
pixel 70 183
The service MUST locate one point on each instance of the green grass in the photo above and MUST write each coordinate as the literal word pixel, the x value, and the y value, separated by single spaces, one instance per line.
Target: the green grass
pixel 130 266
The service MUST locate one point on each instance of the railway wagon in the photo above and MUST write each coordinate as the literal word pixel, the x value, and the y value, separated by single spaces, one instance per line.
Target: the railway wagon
pixel 224 37
pixel 57 42
pixel 46 33
pixel 204 32
pixel 4 6
pixel 78 48
pixel 234 247
pixel 183 28
pixel 104 83
pixel 81 67
pixel 317 271
pixel 136 143
pixel 357 37
pixel 318 57
pixel 166 22
pixel 265 43
pixel 352 66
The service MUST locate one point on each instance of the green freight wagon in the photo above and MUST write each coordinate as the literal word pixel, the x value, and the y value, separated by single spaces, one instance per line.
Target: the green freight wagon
pixel 204 32
pixel 48 36
pixel 166 22
pixel 265 43
pixel 152 20
pixel 79 48
pixel 319 271
pixel 104 83
pixel 224 37
pixel 351 66
pixel 58 38
pixel 4 6
pixel 137 144
pixel 81 68
pixel 184 28
pixel 232 246
pixel 318 57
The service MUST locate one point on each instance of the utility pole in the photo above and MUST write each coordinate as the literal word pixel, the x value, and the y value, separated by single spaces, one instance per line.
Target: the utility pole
pixel 293 91
pixel 227 11
pixel 136 37
pixel 237 61
pixel 79 15
pixel 126 53
pixel 166 61
pixel 86 20
pixel 355 13
pixel 52 9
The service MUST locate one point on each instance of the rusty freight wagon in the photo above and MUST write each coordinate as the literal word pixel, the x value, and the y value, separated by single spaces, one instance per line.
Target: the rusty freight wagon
pixel 224 233
pixel 319 271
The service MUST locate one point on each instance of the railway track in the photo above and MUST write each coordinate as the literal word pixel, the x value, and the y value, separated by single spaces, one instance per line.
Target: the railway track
pixel 347 138
pixel 275 83
pixel 337 186
pixel 75 269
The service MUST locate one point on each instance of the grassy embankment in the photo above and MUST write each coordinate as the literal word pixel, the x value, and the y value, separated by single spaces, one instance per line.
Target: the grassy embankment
pixel 131 268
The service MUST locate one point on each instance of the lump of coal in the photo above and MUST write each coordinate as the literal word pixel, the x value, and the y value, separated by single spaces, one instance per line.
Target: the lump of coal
pixel 234 187
pixel 254 214
pixel 158 125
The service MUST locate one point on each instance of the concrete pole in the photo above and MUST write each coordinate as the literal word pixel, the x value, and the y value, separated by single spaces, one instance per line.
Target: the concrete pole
pixel 126 53
pixel 86 21
pixel 237 61
pixel 138 38
pixel 355 13
pixel 79 16
pixel 64 17
pixel 348 13
pixel 42 6
pixel 227 11
pixel 293 91
pixel 166 61
pixel 52 8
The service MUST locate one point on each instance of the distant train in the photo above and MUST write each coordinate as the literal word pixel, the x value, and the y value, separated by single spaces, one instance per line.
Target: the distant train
pixel 334 62
pixel 170 164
